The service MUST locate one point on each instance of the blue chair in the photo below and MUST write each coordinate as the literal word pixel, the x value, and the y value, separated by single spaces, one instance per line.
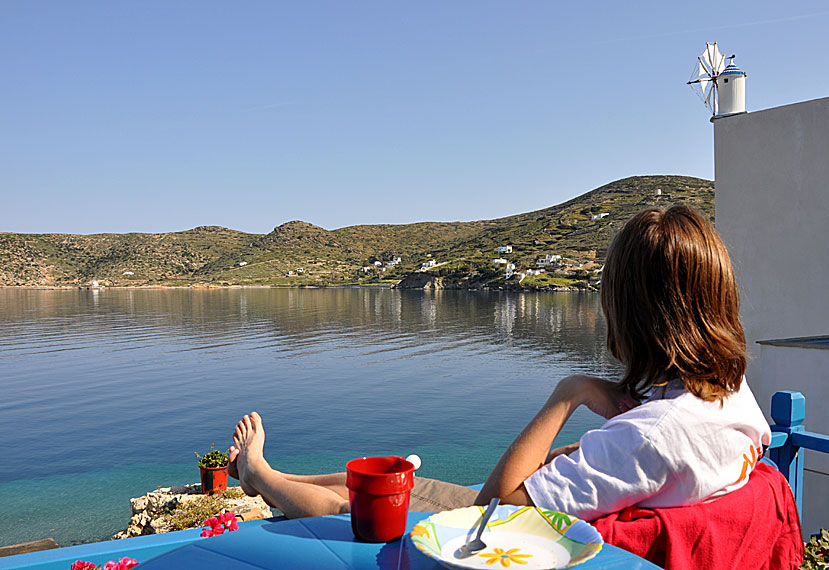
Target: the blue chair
pixel 789 436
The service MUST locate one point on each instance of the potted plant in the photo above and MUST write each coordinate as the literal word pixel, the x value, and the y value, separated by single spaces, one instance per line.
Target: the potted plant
pixel 213 466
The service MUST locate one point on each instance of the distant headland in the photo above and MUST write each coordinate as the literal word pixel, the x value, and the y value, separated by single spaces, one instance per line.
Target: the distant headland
pixel 560 247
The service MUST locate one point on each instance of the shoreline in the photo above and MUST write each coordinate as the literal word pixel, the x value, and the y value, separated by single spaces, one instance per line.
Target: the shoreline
pixel 519 289
pixel 100 288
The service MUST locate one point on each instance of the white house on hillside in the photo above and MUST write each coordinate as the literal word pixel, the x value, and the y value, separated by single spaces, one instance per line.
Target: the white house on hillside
pixel 499 261
pixel 428 264
pixel 505 249
pixel 548 260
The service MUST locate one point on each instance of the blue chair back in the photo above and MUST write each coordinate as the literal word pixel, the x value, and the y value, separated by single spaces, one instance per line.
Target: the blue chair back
pixel 789 437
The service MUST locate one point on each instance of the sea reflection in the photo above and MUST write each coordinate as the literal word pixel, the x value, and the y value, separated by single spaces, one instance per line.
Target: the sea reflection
pixel 298 319
pixel 107 377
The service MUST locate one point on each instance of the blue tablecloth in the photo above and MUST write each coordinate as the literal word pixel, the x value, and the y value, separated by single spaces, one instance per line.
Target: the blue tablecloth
pixel 327 542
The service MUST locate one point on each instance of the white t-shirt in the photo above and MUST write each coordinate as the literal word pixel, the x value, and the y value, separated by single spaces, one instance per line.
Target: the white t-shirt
pixel 674 449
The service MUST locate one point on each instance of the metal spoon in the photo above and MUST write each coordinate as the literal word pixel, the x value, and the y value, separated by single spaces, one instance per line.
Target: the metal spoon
pixel 477 544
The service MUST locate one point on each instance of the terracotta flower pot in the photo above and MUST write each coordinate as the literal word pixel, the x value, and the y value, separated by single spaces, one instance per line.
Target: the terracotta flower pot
pixel 213 480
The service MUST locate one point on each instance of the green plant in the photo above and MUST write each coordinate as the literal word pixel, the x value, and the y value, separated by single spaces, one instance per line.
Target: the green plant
pixel 547 279
pixel 816 552
pixel 235 493
pixel 192 513
pixel 213 458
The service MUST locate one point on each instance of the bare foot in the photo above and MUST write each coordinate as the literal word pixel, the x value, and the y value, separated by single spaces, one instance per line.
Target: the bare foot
pixel 232 452
pixel 247 456
pixel 233 471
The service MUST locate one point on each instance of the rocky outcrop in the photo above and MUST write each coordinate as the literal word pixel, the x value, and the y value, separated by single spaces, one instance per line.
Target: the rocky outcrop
pixel 421 280
pixel 151 513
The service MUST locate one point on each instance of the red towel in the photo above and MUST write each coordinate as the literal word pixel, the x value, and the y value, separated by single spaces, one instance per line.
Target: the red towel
pixel 756 526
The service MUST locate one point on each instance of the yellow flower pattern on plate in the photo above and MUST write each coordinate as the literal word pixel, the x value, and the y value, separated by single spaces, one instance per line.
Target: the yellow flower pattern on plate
pixel 420 530
pixel 505 557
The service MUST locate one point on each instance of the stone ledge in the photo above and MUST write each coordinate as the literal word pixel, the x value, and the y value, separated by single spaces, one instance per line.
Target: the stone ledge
pixel 26 547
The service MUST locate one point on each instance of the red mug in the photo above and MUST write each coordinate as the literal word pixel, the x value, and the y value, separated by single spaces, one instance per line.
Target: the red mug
pixel 378 491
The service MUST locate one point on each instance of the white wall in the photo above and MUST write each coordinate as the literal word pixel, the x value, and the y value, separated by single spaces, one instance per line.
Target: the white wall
pixel 772 210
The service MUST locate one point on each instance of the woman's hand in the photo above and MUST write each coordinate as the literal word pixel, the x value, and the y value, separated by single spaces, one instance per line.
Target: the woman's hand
pixel 563 450
pixel 600 396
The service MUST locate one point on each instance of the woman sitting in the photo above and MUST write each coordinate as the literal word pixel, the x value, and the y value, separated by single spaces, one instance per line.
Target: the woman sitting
pixel 672 308
pixel 683 426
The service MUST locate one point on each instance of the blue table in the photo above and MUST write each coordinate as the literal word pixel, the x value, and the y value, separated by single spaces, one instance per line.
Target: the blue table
pixel 327 542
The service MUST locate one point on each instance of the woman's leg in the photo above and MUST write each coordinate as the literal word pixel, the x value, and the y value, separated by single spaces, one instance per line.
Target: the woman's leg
pixel 428 495
pixel 295 495
pixel 332 481
pixel 300 496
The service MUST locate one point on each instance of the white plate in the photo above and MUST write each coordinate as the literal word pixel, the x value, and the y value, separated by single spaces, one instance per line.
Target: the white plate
pixel 516 537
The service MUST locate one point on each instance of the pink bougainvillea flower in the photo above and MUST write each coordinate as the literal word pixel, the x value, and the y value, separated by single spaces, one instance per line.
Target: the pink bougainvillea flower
pixel 127 563
pixel 229 521
pixel 83 565
pixel 214 527
pixel 212 531
pixel 217 525
pixel 122 564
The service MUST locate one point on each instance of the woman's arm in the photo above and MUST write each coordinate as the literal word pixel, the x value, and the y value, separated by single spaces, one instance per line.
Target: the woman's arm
pixel 563 450
pixel 530 449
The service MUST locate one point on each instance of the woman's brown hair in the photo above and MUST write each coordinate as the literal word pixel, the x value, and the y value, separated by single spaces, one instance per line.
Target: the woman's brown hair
pixel 672 305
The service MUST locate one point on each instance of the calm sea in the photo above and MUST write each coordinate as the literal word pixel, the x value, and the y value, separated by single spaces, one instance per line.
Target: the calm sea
pixel 107 394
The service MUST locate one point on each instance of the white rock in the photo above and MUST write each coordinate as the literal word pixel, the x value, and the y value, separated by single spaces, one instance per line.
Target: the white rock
pixel 139 504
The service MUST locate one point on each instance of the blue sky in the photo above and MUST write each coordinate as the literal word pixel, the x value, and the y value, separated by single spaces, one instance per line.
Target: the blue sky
pixel 161 116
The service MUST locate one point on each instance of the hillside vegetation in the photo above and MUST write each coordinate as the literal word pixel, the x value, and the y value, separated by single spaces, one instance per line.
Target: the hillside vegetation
pixel 298 253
